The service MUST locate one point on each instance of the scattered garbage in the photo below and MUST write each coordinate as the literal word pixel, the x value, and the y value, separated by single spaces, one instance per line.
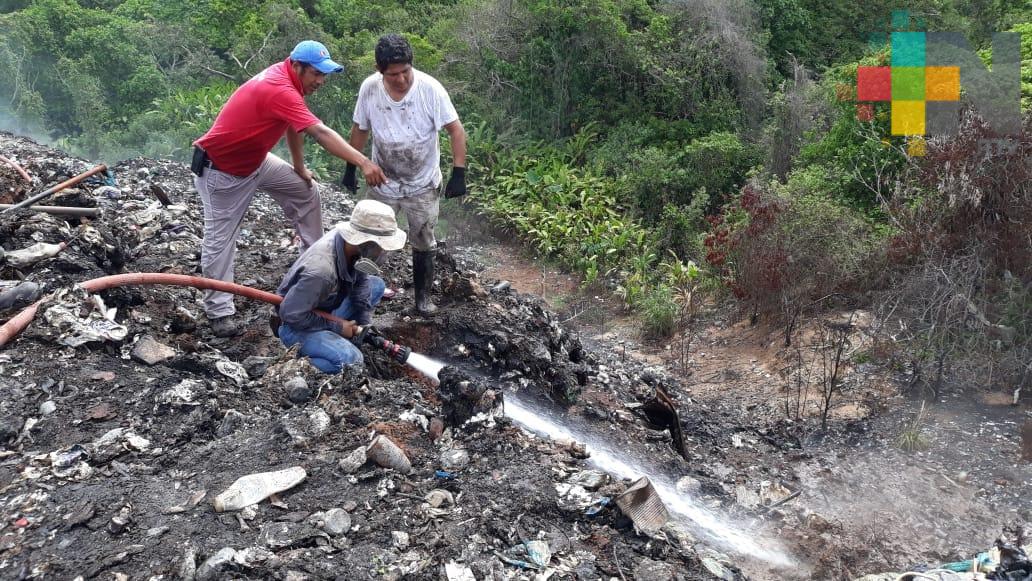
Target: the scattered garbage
pixel 17 294
pixel 641 503
pixel 103 443
pixel 149 351
pixel 305 425
pixel 32 254
pixel 253 488
pixel 458 572
pixel 336 521
pixel 353 461
pixel 75 330
pixel 384 452
pixel 528 555
pixel 454 460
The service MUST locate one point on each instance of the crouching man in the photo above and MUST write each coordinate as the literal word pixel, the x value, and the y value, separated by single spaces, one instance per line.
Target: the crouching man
pixel 337 274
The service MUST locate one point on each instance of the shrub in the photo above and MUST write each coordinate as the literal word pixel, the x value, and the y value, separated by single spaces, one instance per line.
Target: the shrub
pixel 659 313
pixel 781 247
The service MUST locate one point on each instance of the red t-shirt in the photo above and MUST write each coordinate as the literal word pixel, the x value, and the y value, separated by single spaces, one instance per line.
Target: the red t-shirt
pixel 255 118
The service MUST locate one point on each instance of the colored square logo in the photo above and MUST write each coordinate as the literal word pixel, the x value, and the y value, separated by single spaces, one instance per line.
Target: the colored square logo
pixel 942 83
pixel 942 117
pixel 873 84
pixel 908 49
pixel 900 19
pixel 908 83
pixel 908 117
pixel 917 147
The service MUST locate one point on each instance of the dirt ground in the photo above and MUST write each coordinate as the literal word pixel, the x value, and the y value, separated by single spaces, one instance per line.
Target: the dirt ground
pixel 109 465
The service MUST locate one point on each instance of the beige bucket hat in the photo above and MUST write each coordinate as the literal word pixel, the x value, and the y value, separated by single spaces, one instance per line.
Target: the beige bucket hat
pixel 373 221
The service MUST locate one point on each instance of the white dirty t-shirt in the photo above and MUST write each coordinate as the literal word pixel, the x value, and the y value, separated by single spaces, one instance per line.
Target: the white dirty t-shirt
pixel 406 143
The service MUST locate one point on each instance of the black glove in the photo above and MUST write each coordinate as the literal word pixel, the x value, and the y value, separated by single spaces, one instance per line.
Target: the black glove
pixel 457 184
pixel 349 181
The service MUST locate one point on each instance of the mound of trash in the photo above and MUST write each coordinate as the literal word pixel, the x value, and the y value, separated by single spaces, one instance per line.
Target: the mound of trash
pixel 136 444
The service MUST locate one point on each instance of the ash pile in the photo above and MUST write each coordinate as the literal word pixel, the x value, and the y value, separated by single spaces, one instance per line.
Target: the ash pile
pixel 134 444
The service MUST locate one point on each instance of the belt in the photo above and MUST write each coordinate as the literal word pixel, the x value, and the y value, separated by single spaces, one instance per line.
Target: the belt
pixel 207 162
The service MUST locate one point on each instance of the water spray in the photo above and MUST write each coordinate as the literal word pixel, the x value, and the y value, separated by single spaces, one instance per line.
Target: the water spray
pixel 370 335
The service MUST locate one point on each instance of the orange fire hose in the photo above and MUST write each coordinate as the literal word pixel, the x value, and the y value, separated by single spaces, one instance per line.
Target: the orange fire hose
pixel 19 322
pixel 17 168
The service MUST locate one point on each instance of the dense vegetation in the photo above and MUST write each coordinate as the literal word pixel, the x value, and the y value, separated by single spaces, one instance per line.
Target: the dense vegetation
pixel 659 147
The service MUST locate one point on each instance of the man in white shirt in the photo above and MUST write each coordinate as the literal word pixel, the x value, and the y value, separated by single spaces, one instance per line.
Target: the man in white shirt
pixel 406 110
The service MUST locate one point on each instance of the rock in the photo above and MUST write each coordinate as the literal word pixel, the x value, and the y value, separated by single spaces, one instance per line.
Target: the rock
pixel 157 531
pixel 305 425
pixel 149 351
pixel 10 426
pixel 436 429
pixel 400 540
pixel 353 461
pixel 716 564
pixel 215 565
pixel 454 460
pixel 48 407
pixel 336 522
pixel 257 366
pixel 689 485
pixel 297 390
pixel 101 412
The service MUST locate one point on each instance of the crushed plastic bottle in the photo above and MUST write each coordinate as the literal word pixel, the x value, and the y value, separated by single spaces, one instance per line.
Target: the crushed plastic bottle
pixel 33 254
pixel 254 488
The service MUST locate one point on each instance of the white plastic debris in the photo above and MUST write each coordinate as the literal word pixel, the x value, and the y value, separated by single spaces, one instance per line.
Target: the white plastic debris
pixel 415 418
pixel 458 572
pixel 573 497
pixel 233 370
pixel 75 330
pixel 183 393
pixel 254 488
pixel 33 254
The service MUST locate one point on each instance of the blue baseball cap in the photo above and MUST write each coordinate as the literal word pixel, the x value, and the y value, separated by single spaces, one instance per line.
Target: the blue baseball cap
pixel 314 53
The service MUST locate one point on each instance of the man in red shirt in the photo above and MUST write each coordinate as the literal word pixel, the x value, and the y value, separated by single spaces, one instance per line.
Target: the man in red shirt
pixel 233 160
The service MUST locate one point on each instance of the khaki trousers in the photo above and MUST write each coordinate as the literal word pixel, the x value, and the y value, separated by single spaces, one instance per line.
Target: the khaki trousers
pixel 226 198
pixel 420 211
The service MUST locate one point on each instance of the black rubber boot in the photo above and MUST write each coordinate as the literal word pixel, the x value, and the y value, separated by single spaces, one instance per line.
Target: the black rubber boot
pixel 423 277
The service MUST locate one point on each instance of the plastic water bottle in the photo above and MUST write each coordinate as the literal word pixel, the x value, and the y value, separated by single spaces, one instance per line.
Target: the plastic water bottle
pixel 253 488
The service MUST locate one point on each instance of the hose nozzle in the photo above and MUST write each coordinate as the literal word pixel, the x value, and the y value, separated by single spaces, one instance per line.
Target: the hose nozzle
pixel 399 353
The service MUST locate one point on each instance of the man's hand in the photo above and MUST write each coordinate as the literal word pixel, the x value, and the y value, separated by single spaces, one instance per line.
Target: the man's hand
pixel 374 176
pixel 305 173
pixel 350 180
pixel 349 329
pixel 457 184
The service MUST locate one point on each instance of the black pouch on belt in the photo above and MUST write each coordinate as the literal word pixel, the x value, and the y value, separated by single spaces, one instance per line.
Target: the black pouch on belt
pixel 199 162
